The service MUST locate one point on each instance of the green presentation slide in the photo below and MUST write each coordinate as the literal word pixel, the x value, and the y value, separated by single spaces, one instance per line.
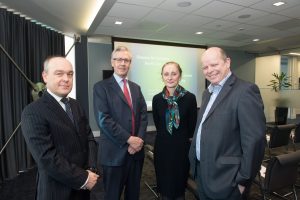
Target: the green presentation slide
pixel 147 63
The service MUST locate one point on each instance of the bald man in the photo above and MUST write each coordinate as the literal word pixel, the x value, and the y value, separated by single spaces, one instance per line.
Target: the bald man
pixel 59 137
pixel 229 139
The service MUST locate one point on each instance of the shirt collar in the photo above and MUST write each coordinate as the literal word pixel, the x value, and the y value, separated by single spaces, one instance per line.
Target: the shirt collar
pixel 118 78
pixel 57 98
pixel 219 86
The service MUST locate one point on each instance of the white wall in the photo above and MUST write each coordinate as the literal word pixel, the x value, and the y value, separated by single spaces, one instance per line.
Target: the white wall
pixel 71 57
pixel 265 67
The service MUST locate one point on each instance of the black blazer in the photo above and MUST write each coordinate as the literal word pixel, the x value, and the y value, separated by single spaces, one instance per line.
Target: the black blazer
pixel 62 151
pixel 113 116
pixel 232 138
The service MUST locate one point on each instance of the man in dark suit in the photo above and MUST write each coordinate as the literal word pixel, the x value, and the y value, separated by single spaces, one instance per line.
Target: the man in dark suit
pixel 121 113
pixel 59 137
pixel 229 140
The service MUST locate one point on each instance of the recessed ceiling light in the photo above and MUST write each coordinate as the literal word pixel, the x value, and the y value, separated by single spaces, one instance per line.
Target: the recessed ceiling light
pixel 118 22
pixel 295 54
pixel 279 3
pixel 255 40
pixel 184 4
pixel 244 16
pixel 199 33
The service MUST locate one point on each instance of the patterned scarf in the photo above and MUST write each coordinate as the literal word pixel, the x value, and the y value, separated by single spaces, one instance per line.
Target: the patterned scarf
pixel 172 112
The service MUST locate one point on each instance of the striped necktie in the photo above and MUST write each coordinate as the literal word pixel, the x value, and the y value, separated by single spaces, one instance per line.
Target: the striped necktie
pixel 66 101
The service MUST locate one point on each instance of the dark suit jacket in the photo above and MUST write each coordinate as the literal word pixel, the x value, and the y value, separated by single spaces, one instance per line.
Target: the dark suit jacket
pixel 232 138
pixel 62 151
pixel 113 116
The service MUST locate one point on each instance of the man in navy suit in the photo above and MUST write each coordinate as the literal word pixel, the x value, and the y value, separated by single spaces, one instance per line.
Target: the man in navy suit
pixel 59 137
pixel 121 113
pixel 229 140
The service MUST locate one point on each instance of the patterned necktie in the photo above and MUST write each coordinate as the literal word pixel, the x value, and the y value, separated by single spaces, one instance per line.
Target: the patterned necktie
pixel 68 108
pixel 127 96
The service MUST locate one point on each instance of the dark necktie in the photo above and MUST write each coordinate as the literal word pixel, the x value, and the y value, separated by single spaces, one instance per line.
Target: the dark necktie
pixel 127 96
pixel 68 108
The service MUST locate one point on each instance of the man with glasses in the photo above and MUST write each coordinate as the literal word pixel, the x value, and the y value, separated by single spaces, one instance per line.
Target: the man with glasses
pixel 121 114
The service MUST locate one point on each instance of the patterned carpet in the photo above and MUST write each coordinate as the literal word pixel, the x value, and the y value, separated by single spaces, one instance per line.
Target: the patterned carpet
pixel 23 186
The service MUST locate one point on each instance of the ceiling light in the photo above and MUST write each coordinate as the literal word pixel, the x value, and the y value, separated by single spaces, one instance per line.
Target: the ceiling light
pixel 118 22
pixel 295 54
pixel 255 40
pixel 93 13
pixel 199 33
pixel 279 3
pixel 184 4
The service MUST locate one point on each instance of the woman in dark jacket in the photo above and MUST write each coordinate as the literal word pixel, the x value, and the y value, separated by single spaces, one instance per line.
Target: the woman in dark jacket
pixel 175 115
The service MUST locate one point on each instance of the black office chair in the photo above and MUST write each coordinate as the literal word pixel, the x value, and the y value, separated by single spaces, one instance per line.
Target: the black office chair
pixel 296 137
pixel 280 136
pixel 149 154
pixel 281 115
pixel 280 173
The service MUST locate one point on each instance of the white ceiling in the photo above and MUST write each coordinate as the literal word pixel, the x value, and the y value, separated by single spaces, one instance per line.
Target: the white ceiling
pixel 221 21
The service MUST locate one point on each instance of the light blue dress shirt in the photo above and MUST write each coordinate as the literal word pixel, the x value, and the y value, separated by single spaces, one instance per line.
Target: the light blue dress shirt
pixel 121 83
pixel 214 90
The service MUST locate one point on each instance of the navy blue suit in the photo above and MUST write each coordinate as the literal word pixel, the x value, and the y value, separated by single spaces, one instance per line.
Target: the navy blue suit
pixel 113 115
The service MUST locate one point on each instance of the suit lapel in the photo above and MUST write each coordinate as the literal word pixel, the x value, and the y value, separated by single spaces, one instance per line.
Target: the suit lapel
pixel 115 87
pixel 205 100
pixel 54 106
pixel 223 93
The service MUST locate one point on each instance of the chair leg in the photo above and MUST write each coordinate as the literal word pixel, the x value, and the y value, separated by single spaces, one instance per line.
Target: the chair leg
pixel 295 193
pixel 152 188
pixel 261 186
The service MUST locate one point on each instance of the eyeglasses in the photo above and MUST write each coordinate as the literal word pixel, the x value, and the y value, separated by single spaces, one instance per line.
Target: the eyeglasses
pixel 120 60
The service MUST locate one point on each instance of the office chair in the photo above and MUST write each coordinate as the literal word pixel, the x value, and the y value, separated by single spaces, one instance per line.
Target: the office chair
pixel 280 173
pixel 296 137
pixel 279 137
pixel 150 156
pixel 281 115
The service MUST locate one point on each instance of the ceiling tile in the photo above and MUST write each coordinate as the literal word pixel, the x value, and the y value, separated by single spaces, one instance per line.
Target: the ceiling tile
pixel 149 25
pixel 268 20
pixel 223 35
pixel 241 28
pixel 267 5
pixel 288 24
pixel 242 2
pixel 217 9
pixel 220 24
pixel 172 5
pixel 128 11
pixel 194 20
pixel 163 16
pixel 293 12
pixel 237 16
pixel 152 3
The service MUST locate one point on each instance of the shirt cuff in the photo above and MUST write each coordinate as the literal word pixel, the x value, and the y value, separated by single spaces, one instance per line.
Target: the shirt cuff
pixel 83 187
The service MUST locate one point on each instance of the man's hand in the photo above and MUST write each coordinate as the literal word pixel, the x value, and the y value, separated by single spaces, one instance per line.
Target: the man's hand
pixel 131 150
pixel 92 180
pixel 136 143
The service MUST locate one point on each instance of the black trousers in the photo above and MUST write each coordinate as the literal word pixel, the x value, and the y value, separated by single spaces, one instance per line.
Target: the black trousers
pixel 126 177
